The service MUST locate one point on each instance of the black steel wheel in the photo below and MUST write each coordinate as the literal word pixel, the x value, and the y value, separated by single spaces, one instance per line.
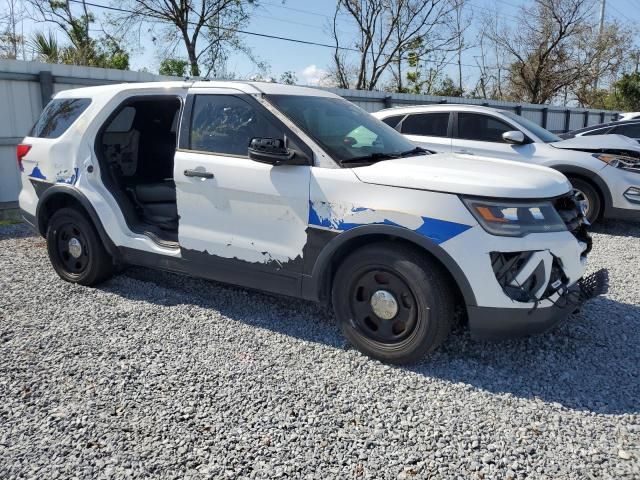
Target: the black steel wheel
pixel 393 302
pixel 75 249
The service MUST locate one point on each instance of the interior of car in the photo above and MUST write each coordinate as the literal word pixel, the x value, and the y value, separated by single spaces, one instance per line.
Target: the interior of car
pixel 136 147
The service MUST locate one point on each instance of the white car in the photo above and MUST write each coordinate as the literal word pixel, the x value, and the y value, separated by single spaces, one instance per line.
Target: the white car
pixel 603 169
pixel 298 192
pixel 629 116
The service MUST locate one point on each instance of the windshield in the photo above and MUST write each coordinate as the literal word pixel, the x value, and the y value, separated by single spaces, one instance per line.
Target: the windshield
pixel 346 132
pixel 542 133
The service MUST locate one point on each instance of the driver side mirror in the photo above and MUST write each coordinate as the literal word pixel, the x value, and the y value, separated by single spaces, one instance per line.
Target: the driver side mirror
pixel 514 137
pixel 274 151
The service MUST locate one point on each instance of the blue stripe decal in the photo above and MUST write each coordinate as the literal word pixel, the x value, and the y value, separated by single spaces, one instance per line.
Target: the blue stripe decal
pixel 439 231
pixel 36 173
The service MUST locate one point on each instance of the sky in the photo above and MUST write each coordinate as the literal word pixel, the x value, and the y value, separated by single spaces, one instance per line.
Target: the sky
pixel 309 20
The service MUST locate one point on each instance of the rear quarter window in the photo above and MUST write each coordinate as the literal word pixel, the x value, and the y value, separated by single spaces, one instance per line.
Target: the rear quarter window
pixel 58 116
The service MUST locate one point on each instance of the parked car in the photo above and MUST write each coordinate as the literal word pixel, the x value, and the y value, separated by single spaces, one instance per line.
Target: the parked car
pixel 604 170
pixel 298 192
pixel 628 128
pixel 629 116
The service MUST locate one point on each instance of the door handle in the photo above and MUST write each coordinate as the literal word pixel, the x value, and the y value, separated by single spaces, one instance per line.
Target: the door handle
pixel 198 173
pixel 463 152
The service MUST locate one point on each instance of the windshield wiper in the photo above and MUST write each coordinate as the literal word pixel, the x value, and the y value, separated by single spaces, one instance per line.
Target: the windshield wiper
pixel 414 151
pixel 371 158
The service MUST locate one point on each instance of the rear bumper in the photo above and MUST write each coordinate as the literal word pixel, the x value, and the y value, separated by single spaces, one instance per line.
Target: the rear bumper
pixel 488 323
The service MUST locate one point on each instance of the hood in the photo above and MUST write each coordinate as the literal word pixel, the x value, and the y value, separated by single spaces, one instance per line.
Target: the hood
pixel 467 175
pixel 598 143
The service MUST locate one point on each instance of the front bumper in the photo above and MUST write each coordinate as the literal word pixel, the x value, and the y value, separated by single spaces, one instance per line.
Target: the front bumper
pixel 490 323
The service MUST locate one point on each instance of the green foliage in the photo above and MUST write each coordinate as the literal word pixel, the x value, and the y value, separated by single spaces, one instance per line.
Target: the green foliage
pixel 626 93
pixel 288 78
pixel 447 88
pixel 173 67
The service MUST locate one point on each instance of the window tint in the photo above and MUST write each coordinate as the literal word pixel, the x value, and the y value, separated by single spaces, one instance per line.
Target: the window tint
pixel 226 124
pixel 393 120
pixel 632 131
pixel 475 126
pixel 429 124
pixel 123 121
pixel 58 116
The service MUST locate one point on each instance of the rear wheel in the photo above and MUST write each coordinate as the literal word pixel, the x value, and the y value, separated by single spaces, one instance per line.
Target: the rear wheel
pixel 392 302
pixel 75 249
pixel 586 193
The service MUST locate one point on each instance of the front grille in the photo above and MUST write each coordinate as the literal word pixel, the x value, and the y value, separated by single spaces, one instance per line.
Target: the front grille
pixel 571 213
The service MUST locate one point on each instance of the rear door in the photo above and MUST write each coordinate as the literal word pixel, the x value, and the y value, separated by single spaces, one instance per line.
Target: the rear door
pixel 243 221
pixel 481 134
pixel 429 130
pixel 631 130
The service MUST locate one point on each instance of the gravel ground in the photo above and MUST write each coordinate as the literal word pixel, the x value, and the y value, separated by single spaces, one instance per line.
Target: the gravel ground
pixel 156 375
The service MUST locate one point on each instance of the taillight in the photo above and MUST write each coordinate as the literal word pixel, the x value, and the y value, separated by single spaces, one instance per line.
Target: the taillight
pixel 21 151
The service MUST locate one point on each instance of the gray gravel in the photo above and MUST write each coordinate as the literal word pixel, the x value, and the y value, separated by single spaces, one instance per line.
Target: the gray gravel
pixel 156 375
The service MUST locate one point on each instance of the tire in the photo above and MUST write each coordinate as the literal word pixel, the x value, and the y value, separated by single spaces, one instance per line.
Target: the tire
pixel 420 289
pixel 588 193
pixel 75 249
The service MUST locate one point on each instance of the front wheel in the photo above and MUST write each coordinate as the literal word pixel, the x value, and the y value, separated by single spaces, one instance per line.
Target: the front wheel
pixel 587 194
pixel 393 303
pixel 75 249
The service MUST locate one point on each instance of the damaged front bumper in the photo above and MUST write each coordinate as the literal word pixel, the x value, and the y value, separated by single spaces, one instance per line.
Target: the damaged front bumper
pixel 490 323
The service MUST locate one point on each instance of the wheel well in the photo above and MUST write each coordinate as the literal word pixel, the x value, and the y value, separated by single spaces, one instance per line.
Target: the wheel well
pixel 593 184
pixel 352 245
pixel 51 205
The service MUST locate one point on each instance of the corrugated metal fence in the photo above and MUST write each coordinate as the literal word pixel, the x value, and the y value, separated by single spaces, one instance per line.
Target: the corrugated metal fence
pixel 26 86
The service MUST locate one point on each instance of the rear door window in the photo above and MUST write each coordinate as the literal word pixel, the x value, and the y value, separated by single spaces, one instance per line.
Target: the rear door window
pixel 483 128
pixel 393 120
pixel 427 124
pixel 632 131
pixel 58 116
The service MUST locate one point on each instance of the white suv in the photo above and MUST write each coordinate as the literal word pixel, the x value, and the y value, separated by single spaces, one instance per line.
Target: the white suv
pixel 298 192
pixel 604 169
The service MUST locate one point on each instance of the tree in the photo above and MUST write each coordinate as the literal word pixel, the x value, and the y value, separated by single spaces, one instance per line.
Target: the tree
pixel 626 93
pixel 11 42
pixel 206 29
pixel 82 49
pixel 288 78
pixel 387 29
pixel 554 45
pixel 173 67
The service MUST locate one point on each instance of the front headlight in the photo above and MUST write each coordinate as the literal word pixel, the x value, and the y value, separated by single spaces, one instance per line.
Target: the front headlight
pixel 515 219
pixel 619 161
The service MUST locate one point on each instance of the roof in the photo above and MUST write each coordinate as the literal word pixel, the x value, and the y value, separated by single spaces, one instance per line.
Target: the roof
pixel 435 108
pixel 245 87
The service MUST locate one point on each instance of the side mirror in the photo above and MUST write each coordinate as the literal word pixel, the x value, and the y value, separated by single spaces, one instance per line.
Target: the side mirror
pixel 514 137
pixel 274 151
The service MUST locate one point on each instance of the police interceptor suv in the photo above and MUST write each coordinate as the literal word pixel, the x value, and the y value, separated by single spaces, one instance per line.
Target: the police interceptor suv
pixel 298 192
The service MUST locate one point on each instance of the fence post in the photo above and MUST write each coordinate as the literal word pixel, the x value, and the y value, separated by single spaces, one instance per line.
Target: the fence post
pixel 586 119
pixel 519 110
pixel 388 101
pixel 46 86
pixel 567 120
pixel 545 117
pixel 601 117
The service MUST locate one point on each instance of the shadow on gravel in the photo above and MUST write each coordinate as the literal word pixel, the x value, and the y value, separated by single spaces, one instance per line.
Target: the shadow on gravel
pixel 583 365
pixel 617 228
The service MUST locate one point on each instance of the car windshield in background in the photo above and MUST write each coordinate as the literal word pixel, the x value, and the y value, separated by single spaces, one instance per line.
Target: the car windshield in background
pixel 542 133
pixel 348 133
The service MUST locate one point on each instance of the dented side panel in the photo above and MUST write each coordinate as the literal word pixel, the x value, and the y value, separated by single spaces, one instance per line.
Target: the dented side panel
pixel 248 211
